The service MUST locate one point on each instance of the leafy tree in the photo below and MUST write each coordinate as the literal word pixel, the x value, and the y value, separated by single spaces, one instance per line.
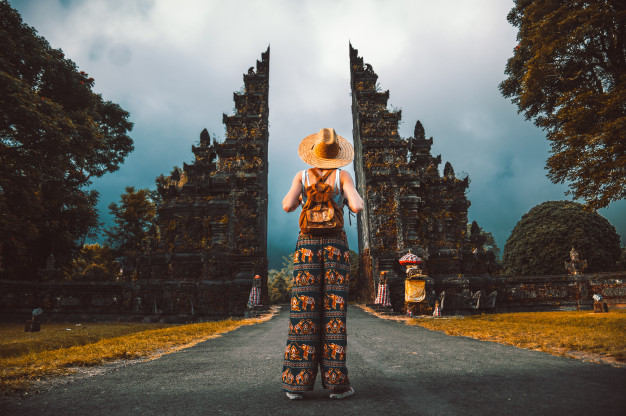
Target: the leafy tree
pixel 541 241
pixel 482 239
pixel 134 217
pixel 177 177
pixel 280 281
pixel 94 262
pixel 279 287
pixel 567 74
pixel 55 135
pixel 622 262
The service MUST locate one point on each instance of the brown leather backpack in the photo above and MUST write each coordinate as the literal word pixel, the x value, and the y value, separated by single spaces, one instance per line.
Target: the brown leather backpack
pixel 320 214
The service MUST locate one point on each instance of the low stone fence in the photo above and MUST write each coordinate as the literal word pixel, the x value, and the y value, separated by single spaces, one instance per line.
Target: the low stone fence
pixel 471 294
pixel 164 301
pixel 169 301
pixel 562 292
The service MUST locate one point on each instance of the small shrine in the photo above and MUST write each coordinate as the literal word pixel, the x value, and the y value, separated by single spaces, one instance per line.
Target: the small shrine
pixel 383 298
pixel 254 307
pixel 599 304
pixel 34 324
pixel 413 264
pixel 417 286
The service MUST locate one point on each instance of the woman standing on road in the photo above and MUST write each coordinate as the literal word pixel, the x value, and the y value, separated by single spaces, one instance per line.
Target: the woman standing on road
pixel 317 322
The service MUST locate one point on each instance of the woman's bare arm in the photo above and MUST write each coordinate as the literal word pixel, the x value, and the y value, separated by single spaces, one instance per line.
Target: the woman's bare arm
pixel 294 196
pixel 355 202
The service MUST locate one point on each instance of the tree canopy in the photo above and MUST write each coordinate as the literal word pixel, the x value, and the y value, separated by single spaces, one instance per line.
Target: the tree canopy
pixel 55 135
pixel 94 262
pixel 134 219
pixel 568 74
pixel 482 240
pixel 280 282
pixel 541 241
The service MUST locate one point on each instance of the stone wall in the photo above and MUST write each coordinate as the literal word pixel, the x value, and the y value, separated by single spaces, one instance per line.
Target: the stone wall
pixel 170 301
pixel 562 291
pixel 519 293
pixel 154 301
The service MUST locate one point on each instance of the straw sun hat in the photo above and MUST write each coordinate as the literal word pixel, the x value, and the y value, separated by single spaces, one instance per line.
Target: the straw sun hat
pixel 326 150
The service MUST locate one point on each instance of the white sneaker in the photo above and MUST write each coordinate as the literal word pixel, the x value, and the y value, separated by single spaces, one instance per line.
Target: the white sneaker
pixel 294 396
pixel 346 393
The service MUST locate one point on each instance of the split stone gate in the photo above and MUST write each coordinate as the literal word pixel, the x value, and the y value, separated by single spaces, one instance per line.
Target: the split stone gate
pixel 212 222
pixel 211 234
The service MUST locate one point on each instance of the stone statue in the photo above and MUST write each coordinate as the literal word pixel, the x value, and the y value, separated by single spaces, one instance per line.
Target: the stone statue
pixel 50 262
pixel 49 272
pixel 575 266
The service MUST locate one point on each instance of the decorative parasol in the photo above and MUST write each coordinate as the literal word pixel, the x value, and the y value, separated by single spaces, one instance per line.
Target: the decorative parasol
pixel 410 258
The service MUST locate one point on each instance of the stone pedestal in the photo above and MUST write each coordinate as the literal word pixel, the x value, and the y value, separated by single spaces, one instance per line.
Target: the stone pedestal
pixel 600 307
pixel 32 325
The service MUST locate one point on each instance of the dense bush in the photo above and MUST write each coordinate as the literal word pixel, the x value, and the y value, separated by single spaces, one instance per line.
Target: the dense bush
pixel 280 281
pixel 94 263
pixel 541 241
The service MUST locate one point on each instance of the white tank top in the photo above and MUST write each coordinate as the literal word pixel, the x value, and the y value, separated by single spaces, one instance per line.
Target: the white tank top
pixel 337 191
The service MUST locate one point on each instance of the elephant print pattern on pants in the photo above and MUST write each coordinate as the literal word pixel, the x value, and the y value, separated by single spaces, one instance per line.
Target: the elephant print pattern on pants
pixel 317 339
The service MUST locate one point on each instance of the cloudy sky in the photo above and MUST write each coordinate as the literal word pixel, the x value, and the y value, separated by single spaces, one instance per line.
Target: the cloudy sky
pixel 174 65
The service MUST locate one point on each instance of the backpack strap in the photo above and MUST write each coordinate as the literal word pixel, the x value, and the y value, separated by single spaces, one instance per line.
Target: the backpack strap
pixel 304 179
pixel 323 178
pixel 338 182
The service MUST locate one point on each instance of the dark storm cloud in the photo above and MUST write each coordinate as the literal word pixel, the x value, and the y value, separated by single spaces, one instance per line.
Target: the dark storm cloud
pixel 174 67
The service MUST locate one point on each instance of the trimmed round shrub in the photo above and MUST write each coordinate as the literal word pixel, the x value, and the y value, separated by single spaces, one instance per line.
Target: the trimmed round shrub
pixel 97 272
pixel 541 241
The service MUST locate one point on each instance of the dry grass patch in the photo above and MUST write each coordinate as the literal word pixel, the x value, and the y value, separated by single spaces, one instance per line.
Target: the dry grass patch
pixel 27 357
pixel 575 333
pixel 14 342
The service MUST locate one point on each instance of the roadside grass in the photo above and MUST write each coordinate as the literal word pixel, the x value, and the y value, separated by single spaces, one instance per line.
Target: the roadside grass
pixel 14 342
pixel 26 357
pixel 565 333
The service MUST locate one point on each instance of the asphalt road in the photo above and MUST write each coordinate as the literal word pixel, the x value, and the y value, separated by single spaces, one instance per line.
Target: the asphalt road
pixel 394 368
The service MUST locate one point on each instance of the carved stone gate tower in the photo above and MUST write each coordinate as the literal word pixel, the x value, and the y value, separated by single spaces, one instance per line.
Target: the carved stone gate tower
pixel 408 204
pixel 212 217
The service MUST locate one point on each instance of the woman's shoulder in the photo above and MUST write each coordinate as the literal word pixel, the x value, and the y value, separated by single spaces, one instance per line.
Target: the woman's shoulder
pixel 344 174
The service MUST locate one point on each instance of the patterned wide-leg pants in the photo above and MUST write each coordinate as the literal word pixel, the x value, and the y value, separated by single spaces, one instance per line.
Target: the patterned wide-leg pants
pixel 317 323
